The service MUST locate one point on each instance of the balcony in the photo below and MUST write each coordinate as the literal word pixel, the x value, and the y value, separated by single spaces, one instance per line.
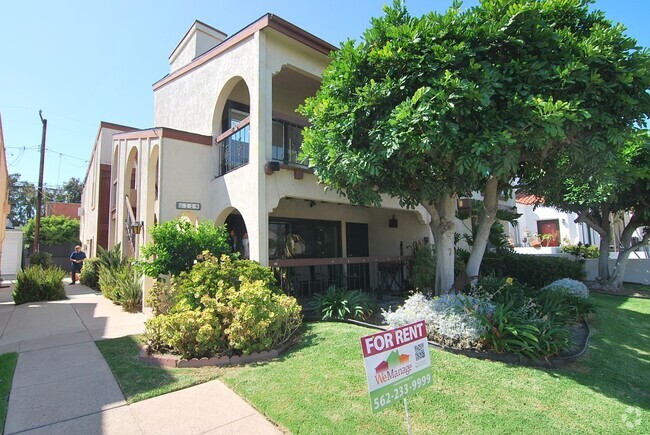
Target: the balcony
pixel 234 147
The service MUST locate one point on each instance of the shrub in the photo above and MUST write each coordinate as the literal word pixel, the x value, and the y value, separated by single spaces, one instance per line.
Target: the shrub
pixel 583 251
pixel 260 318
pixel 503 290
pixel 562 305
pixel 572 286
pixel 35 284
pixel 555 306
pixel 161 296
pixel 447 319
pixel 221 306
pixel 129 289
pixel 533 270
pixel 90 273
pixel 176 244
pixel 212 276
pixel 112 258
pixel 190 333
pixel 43 259
pixel 108 281
pixel 424 268
pixel 524 334
pixel 339 304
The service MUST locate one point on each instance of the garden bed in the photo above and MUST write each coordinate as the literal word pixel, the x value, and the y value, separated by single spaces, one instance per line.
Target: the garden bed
pixel 175 361
pixel 580 335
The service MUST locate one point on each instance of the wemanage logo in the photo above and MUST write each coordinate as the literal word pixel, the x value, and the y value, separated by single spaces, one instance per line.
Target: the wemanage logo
pixel 394 366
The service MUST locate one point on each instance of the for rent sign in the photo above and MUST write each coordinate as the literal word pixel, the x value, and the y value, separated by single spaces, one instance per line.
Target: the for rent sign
pixel 396 363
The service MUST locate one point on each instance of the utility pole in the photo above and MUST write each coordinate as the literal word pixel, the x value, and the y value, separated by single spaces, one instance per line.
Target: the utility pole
pixel 39 192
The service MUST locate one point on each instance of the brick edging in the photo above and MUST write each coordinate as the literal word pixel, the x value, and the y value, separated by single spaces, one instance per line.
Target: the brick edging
pixel 174 361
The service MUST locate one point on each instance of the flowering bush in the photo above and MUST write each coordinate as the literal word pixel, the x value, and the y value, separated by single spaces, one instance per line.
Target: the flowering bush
pixel 221 306
pixel 447 319
pixel 574 287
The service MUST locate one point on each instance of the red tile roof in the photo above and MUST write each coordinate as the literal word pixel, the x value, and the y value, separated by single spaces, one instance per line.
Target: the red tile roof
pixel 527 199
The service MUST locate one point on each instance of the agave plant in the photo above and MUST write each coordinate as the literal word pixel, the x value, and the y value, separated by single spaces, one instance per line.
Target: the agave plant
pixel 339 304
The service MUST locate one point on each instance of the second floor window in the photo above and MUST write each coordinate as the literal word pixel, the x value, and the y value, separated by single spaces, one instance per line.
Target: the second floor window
pixel 287 140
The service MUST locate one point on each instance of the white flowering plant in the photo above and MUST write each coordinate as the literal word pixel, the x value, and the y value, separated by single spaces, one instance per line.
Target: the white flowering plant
pixel 448 320
pixel 573 287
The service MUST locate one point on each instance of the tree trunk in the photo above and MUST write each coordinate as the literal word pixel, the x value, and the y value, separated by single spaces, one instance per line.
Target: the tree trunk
pixel 601 225
pixel 603 258
pixel 486 220
pixel 615 281
pixel 443 226
pixel 605 233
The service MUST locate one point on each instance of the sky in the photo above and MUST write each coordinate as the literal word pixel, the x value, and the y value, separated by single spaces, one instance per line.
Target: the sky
pixel 83 62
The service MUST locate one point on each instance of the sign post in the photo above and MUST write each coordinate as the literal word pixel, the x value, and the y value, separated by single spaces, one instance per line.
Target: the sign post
pixel 396 364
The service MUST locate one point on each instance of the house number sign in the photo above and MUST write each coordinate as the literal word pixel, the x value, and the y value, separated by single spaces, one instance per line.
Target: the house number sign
pixel 188 205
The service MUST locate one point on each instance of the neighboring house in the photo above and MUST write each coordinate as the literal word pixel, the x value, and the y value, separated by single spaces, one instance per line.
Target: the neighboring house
pixel 5 207
pixel 95 198
pixel 67 209
pixel 560 226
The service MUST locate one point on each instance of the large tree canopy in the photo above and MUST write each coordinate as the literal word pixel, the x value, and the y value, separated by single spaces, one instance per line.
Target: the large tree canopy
pixel 426 109
pixel 620 185
pixel 53 230
pixel 22 197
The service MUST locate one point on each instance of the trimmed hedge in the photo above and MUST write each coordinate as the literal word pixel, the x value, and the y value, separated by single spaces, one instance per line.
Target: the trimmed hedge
pixel 533 270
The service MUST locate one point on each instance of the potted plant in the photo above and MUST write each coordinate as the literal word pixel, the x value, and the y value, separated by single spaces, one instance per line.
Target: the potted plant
pixel 546 239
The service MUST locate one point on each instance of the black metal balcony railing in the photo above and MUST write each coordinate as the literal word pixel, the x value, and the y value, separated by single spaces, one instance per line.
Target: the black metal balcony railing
pixel 234 147
pixel 380 276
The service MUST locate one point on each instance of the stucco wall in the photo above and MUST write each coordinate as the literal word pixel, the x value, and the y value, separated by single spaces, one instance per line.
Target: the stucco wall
pixel 637 270
pixel 89 218
pixel 188 103
pixel 186 170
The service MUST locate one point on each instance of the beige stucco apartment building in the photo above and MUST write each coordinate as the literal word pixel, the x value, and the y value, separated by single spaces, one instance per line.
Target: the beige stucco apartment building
pixel 226 148
pixel 5 208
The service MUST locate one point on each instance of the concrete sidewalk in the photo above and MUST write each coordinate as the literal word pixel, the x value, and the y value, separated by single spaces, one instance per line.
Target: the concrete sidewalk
pixel 62 383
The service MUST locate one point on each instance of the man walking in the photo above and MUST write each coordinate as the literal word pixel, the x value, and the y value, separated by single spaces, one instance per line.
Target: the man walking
pixel 77 261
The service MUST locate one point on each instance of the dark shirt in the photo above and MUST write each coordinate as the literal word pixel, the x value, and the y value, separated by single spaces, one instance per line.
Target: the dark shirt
pixel 77 256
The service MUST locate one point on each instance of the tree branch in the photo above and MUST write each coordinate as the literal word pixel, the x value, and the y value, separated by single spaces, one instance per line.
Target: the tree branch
pixel 588 218
pixel 644 241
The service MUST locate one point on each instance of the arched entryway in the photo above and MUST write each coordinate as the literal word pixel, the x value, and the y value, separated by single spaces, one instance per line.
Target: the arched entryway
pixel 238 234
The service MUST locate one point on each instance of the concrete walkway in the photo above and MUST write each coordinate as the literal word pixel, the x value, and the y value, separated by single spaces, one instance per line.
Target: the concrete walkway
pixel 63 385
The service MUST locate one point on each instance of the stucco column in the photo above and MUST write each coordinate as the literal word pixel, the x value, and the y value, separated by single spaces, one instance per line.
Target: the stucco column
pixel 262 105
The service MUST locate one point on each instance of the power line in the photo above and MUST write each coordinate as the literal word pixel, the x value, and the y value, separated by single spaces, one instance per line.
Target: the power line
pixel 50 150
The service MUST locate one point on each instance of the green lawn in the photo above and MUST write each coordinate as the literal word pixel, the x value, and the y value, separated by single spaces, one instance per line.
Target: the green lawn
pixel 139 381
pixel 319 386
pixel 7 367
